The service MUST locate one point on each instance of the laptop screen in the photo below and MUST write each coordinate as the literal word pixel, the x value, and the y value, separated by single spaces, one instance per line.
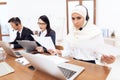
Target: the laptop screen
pixel 27 45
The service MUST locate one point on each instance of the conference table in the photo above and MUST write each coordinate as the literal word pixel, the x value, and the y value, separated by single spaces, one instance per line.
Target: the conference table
pixel 22 72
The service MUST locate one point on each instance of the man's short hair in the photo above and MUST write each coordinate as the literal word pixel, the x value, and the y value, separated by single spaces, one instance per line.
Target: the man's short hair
pixel 15 20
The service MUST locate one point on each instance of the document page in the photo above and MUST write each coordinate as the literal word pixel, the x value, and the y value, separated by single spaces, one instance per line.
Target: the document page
pixel 45 41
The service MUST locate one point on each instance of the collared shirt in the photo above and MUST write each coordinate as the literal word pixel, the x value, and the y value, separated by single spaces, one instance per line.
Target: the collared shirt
pixel 43 34
pixel 12 45
pixel 20 31
pixel 88 44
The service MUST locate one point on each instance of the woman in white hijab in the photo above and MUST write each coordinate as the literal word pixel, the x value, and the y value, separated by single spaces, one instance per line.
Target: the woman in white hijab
pixel 82 42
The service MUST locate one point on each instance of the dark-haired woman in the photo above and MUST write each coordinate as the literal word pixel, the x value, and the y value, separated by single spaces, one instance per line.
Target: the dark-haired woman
pixel 46 31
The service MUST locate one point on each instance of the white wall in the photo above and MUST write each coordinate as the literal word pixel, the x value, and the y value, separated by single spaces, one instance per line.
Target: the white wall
pixel 108 15
pixel 29 11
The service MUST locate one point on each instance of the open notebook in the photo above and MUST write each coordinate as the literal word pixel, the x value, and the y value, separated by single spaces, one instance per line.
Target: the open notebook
pixel 5 69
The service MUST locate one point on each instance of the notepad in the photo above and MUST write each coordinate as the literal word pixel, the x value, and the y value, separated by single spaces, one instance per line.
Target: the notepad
pixel 5 69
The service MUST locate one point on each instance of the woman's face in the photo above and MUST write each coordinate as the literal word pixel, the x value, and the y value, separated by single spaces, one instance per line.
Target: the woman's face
pixel 77 20
pixel 42 25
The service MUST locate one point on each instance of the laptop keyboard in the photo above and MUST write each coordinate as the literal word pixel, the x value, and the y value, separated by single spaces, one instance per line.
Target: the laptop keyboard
pixel 67 73
pixel 17 53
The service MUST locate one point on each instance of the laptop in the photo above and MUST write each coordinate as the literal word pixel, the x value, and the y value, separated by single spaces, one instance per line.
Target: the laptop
pixel 29 46
pixel 62 71
pixel 9 50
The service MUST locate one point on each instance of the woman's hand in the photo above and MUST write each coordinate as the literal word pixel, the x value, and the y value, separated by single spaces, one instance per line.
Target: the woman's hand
pixel 54 52
pixel 40 49
pixel 108 59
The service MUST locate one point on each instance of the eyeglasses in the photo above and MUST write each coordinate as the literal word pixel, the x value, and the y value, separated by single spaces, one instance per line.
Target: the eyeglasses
pixel 41 23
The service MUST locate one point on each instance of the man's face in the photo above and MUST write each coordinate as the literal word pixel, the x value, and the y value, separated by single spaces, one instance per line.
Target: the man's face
pixel 13 25
pixel 77 20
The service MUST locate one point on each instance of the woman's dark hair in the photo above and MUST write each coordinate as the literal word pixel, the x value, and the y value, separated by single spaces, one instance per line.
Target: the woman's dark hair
pixel 46 20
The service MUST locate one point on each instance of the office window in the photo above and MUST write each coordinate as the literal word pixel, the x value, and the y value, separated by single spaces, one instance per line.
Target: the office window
pixel 4 31
pixel 55 12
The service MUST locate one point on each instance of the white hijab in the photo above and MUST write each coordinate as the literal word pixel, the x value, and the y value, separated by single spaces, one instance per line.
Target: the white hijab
pixel 79 9
pixel 90 31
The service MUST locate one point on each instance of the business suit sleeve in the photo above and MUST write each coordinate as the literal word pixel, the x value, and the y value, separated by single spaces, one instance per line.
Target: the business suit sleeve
pixel 25 35
pixel 53 36
pixel 15 44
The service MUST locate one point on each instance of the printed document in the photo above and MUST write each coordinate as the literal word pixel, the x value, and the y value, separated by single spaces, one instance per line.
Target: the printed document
pixel 45 41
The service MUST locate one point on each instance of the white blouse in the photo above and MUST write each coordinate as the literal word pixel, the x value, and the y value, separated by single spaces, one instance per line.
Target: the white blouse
pixel 42 34
pixel 82 44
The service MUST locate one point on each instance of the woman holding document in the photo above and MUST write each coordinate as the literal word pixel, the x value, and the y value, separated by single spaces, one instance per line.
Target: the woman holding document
pixel 83 40
pixel 46 31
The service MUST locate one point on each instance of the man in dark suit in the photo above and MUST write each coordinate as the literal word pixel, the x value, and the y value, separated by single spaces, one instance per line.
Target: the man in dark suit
pixel 23 33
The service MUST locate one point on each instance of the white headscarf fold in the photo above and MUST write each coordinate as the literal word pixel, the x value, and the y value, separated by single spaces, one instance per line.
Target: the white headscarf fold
pixel 80 10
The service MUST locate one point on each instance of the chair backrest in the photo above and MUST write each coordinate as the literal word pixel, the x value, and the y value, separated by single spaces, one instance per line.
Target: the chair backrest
pixel 59 47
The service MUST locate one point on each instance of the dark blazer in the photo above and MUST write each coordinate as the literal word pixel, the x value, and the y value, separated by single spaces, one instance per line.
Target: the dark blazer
pixel 53 36
pixel 25 35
